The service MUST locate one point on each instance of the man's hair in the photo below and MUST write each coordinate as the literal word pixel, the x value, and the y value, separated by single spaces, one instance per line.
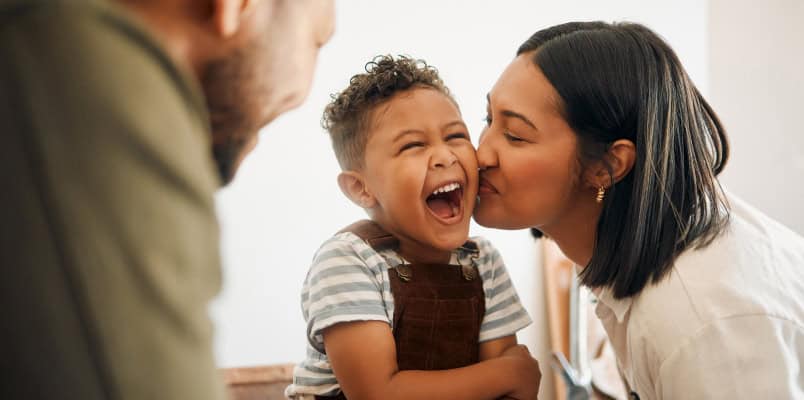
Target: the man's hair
pixel 348 117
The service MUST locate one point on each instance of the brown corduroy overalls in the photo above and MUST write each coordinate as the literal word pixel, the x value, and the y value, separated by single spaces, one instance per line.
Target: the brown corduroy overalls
pixel 438 308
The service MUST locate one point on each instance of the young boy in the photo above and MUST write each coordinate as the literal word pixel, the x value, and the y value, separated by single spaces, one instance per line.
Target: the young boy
pixel 404 306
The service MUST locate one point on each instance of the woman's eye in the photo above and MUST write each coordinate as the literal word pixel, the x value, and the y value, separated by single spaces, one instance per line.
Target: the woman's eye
pixel 411 145
pixel 512 138
pixel 487 119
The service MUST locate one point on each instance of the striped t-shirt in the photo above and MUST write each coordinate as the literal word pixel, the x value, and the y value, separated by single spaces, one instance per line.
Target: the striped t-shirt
pixel 348 282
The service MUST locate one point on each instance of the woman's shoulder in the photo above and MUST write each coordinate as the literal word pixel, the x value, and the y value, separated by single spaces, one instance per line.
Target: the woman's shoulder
pixel 754 256
pixel 750 225
pixel 752 268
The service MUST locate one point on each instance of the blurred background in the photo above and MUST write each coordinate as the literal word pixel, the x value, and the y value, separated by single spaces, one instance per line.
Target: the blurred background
pixel 745 56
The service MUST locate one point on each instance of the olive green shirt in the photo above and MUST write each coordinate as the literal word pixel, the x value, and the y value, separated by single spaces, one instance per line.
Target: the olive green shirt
pixel 108 236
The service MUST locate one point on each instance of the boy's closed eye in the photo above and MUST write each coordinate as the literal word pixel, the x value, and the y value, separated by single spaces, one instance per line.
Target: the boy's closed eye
pixel 410 145
pixel 457 135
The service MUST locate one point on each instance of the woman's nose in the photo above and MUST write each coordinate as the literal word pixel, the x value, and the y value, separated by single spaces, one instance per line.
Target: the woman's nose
pixel 486 153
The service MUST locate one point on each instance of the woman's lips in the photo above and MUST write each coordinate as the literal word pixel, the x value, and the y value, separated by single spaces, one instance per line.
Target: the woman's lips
pixel 485 187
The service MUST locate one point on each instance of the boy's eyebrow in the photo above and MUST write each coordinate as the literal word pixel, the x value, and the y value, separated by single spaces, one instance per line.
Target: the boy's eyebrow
pixel 513 114
pixel 406 132
pixel 456 122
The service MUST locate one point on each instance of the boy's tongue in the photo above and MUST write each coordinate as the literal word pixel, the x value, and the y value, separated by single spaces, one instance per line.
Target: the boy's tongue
pixel 441 207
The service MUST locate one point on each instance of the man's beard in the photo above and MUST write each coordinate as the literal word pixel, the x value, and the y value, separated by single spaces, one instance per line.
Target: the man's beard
pixel 233 97
pixel 227 154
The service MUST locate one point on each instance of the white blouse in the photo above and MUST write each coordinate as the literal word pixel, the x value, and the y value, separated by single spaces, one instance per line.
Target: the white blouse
pixel 727 323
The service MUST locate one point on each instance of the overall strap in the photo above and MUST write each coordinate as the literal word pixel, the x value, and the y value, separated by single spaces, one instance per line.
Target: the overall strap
pixel 379 239
pixel 373 234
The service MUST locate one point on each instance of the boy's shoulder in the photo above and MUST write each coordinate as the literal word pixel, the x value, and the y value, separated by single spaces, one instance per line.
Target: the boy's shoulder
pixel 347 249
pixel 345 239
pixel 344 244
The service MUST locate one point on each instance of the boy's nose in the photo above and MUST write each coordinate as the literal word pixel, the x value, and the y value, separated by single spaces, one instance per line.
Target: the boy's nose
pixel 443 158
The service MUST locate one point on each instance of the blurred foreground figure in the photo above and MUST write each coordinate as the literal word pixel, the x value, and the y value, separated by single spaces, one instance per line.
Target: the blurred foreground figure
pixel 119 121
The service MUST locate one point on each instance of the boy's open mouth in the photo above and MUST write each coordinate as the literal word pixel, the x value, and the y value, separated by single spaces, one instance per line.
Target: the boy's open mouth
pixel 445 202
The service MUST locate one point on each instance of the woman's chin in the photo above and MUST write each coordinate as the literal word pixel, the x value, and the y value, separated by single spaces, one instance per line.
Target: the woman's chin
pixel 486 218
pixel 489 219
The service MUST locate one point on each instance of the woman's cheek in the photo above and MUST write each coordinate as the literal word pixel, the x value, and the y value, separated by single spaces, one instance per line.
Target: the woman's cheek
pixel 535 189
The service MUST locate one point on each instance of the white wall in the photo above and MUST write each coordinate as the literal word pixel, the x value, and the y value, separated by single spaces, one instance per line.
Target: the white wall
pixel 285 200
pixel 757 88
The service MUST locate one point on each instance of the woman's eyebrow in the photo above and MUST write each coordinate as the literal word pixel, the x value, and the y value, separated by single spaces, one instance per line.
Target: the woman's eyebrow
pixel 512 114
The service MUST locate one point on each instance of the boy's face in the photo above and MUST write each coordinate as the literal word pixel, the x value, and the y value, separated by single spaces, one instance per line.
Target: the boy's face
pixel 419 145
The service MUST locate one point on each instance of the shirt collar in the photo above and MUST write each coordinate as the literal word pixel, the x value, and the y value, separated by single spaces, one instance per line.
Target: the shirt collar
pixel 460 256
pixel 620 307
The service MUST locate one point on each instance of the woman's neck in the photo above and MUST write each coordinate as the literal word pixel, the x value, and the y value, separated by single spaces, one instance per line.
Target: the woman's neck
pixel 575 233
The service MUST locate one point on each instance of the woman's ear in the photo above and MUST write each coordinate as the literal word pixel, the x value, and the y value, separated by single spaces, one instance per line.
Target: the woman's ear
pixel 621 157
pixel 354 187
pixel 619 161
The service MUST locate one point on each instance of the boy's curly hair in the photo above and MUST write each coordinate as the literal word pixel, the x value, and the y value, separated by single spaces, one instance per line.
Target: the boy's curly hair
pixel 346 118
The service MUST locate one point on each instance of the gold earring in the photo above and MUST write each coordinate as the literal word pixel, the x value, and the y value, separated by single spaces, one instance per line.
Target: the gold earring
pixel 601 194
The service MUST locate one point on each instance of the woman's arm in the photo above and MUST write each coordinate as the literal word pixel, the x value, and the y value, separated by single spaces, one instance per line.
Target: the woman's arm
pixel 363 357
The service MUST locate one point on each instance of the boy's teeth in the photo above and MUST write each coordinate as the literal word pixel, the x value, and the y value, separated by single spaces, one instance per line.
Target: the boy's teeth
pixel 447 188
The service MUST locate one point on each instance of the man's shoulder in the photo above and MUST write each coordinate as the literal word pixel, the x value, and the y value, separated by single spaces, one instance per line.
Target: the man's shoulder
pixel 89 69
pixel 95 43
pixel 44 17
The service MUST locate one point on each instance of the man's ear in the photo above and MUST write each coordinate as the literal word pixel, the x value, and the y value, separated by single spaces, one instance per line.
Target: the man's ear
pixel 354 187
pixel 619 161
pixel 227 14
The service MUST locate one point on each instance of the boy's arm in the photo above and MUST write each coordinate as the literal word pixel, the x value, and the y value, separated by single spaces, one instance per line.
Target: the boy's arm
pixel 363 357
pixel 504 314
pixel 495 348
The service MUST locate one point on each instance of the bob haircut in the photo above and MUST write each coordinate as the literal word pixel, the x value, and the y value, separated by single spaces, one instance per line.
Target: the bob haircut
pixel 622 81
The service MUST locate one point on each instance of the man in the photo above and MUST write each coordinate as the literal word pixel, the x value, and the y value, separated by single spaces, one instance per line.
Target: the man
pixel 119 121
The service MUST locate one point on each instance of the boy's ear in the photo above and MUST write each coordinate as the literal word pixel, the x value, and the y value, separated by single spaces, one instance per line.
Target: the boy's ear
pixel 619 161
pixel 354 187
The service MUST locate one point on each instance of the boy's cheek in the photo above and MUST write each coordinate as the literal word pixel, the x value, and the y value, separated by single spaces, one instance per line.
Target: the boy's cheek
pixel 469 157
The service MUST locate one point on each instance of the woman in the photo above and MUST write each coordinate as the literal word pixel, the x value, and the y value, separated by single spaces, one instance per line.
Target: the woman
pixel 597 137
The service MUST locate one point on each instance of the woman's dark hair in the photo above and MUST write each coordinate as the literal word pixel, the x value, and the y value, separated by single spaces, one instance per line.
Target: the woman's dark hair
pixel 622 81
